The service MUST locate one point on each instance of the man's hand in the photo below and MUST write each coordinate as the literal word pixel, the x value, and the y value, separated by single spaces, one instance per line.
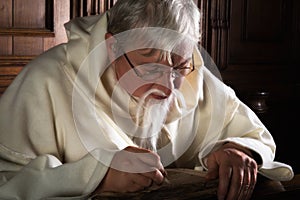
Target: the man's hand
pixel 236 170
pixel 131 170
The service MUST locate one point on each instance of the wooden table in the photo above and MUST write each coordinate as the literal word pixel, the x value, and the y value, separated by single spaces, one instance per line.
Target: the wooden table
pixel 274 190
pixel 190 185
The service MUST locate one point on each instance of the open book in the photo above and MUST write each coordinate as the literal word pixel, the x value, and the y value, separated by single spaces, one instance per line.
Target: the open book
pixel 180 184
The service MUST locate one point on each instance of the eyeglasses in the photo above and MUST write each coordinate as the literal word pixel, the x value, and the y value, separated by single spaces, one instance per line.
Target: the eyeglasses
pixel 153 71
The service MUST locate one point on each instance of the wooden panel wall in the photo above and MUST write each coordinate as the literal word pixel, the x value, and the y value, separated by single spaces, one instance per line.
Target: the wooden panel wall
pixel 254 43
pixel 27 29
pixel 25 34
pixel 94 7
pixel 262 40
pixel 81 8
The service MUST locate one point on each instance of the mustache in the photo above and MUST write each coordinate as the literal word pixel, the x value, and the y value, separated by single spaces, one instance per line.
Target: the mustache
pixel 163 103
pixel 143 102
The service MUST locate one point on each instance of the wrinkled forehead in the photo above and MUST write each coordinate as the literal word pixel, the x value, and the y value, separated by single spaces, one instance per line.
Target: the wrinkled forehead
pixel 156 38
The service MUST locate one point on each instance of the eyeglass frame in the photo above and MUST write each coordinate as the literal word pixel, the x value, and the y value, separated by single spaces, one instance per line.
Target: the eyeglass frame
pixel 139 74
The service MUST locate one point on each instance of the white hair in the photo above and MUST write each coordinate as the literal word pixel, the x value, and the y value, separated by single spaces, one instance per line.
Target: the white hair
pixel 182 16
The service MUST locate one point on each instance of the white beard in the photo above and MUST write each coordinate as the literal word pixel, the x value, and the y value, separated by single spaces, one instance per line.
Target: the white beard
pixel 149 125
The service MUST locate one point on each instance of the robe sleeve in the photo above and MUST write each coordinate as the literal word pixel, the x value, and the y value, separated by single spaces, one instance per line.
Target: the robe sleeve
pixel 242 126
pixel 45 177
pixel 41 156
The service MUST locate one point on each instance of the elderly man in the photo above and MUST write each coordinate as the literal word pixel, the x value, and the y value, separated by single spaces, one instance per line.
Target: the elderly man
pixel 126 97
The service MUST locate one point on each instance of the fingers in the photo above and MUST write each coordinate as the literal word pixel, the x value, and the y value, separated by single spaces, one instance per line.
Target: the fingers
pixel 213 168
pixel 226 174
pixel 156 176
pixel 152 159
pixel 118 181
pixel 151 166
pixel 239 183
pixel 134 169
pixel 236 183
pixel 137 160
pixel 249 182
pixel 140 182
pixel 134 183
pixel 237 173
pixel 137 182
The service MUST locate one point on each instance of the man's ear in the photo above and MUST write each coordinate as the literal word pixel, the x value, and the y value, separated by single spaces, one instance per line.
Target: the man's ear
pixel 110 46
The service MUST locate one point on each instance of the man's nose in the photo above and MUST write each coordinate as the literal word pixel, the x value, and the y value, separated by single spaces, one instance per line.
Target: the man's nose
pixel 166 83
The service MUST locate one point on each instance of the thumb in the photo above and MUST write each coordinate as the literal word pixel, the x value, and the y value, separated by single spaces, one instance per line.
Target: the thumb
pixel 213 168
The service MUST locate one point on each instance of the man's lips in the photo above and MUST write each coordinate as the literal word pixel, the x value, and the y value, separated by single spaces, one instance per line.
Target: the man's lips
pixel 158 96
